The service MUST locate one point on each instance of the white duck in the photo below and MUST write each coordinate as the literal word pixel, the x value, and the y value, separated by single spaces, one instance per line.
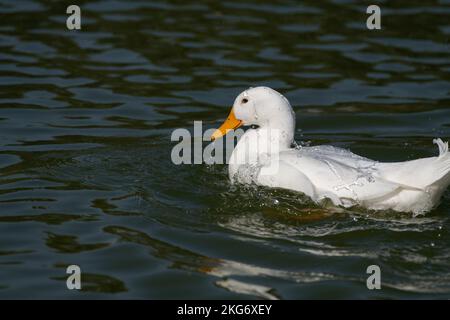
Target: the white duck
pixel 265 156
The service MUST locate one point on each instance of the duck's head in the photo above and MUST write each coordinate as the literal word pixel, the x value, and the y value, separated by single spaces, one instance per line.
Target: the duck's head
pixel 262 107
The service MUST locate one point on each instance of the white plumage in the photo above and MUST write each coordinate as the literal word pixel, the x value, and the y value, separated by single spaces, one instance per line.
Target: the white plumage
pixel 265 156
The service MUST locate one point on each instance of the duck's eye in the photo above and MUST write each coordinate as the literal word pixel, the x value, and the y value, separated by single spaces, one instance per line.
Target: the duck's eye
pixel 245 100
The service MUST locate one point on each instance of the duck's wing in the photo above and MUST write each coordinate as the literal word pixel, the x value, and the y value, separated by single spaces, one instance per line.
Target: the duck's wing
pixel 338 174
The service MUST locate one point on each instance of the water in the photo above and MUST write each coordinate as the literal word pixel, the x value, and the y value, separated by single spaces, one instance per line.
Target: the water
pixel 85 171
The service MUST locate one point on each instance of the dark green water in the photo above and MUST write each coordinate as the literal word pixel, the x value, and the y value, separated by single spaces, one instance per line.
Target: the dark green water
pixel 85 171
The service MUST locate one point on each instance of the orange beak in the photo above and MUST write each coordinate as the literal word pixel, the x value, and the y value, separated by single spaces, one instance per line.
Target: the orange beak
pixel 230 124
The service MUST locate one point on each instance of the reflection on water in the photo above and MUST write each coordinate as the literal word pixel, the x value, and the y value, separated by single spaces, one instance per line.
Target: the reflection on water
pixel 85 171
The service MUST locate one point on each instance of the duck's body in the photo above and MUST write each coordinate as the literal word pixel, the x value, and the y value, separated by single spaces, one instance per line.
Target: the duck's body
pixel 326 172
pixel 264 156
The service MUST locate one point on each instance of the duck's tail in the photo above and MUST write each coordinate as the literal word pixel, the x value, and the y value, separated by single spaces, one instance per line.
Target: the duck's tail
pixel 442 170
pixel 421 173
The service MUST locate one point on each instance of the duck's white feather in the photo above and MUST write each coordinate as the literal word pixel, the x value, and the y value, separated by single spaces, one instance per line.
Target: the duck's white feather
pixel 326 172
pixel 420 173
pixel 329 172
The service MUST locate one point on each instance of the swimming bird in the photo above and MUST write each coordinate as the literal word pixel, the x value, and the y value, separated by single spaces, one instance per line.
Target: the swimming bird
pixel 265 155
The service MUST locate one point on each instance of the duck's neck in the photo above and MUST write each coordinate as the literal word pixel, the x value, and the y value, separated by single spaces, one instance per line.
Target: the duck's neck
pixel 280 130
pixel 269 139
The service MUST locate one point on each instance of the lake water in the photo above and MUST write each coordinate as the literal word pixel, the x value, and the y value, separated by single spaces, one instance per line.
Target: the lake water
pixel 85 171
